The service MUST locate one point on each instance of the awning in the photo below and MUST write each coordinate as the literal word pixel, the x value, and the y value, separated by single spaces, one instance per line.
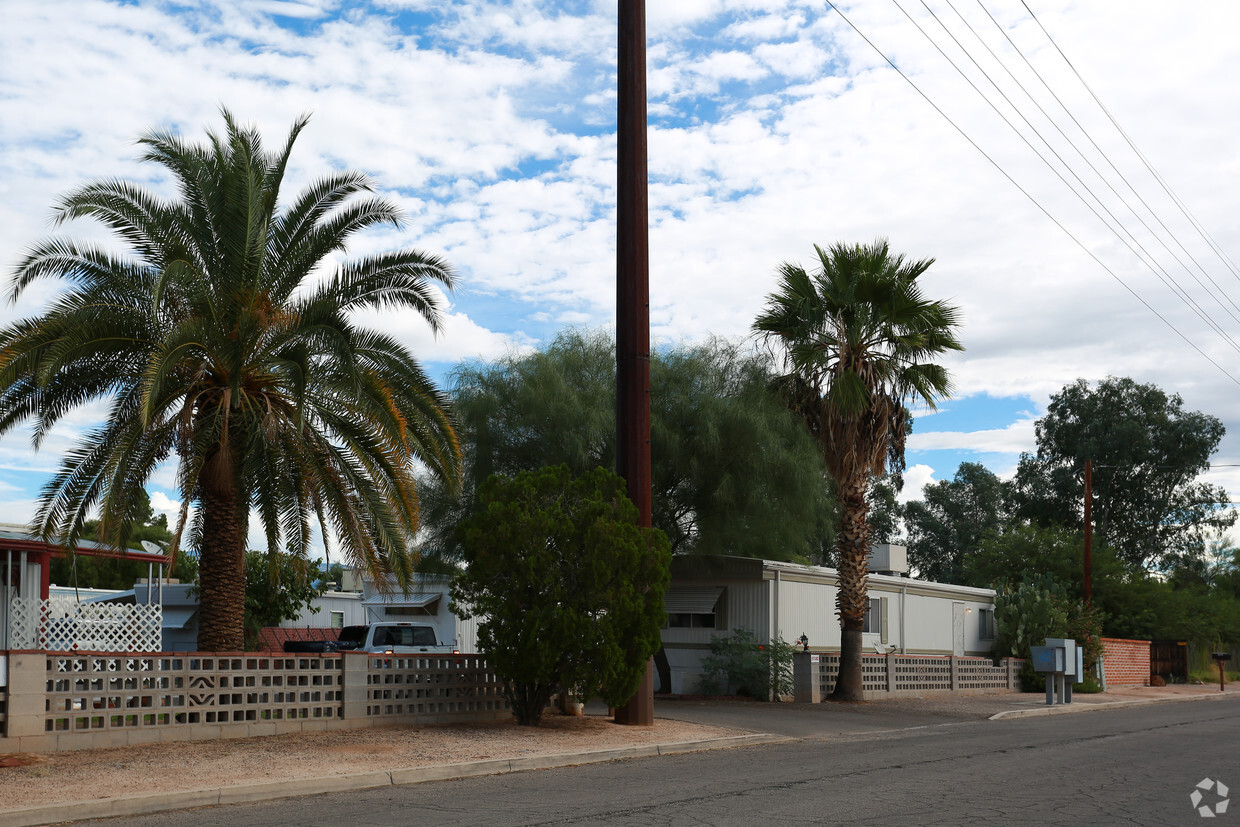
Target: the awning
pixel 177 618
pixel 691 600
pixel 413 601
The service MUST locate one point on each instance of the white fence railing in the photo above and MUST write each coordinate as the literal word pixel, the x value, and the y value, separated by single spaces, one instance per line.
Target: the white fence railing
pixel 62 625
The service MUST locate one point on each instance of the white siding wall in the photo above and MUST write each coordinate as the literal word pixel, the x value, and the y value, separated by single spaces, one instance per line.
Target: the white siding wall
pixel 348 602
pixel 807 609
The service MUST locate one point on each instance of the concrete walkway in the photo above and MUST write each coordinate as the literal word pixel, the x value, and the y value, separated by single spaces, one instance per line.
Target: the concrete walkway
pixel 763 723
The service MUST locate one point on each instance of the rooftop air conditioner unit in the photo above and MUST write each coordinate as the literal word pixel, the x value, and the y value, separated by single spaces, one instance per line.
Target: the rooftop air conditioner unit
pixel 889 559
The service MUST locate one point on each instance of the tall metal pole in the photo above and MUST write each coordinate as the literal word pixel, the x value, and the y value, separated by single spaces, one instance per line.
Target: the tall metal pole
pixel 1089 528
pixel 633 297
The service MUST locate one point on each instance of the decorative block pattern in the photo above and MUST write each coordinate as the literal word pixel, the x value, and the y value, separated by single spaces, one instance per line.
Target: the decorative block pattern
pixel 92 692
pixel 921 673
pixel 980 673
pixel 439 685
pixel 909 674
pixel 77 701
pixel 1126 662
pixel 60 625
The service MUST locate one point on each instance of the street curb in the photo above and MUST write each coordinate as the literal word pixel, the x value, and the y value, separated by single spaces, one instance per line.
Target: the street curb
pixel 273 790
pixel 1068 709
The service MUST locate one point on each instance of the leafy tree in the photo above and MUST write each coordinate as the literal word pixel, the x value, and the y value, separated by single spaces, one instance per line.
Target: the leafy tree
pixel 277 587
pixel 948 525
pixel 1147 452
pixel 732 470
pixel 1022 552
pixel 1127 603
pixel 569 585
pixel 216 338
pixel 857 336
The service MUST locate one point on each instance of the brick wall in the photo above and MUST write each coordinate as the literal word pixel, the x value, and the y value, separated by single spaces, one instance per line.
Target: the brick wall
pixel 1127 662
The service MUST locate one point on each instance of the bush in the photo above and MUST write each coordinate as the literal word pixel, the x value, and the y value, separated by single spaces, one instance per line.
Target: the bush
pixel 1089 686
pixel 740 665
pixel 569 585
pixel 1028 613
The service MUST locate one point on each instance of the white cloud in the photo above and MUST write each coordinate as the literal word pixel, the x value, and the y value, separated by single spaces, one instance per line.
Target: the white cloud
pixel 916 478
pixel 1016 437
pixel 773 126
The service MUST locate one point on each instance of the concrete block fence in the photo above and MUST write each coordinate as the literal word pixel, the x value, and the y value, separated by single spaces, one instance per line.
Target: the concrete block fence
pixel 1126 662
pixel 60 701
pixel 887 676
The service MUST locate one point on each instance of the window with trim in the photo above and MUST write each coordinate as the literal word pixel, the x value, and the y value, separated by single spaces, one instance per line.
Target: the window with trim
pixel 694 607
pixel 691 620
pixel 987 628
pixel 337 620
pixel 874 617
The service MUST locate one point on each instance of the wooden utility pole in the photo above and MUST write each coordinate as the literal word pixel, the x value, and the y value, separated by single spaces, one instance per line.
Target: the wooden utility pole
pixel 1089 528
pixel 633 297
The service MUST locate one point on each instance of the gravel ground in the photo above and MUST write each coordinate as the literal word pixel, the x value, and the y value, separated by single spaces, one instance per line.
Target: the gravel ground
pixel 84 775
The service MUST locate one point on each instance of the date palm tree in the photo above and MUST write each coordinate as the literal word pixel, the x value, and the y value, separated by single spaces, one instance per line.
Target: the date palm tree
pixel 225 333
pixel 857 336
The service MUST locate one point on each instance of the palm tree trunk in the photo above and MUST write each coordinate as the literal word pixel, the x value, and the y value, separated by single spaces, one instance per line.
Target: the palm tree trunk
pixel 221 567
pixel 852 599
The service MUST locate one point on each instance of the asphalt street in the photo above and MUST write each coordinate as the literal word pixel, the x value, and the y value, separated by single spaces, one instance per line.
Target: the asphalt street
pixel 1137 765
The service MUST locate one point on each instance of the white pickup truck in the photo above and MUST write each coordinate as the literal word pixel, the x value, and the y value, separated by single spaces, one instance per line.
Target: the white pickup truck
pixel 380 639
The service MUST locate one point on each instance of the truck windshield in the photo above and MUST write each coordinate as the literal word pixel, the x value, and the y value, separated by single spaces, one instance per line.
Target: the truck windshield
pixel 353 634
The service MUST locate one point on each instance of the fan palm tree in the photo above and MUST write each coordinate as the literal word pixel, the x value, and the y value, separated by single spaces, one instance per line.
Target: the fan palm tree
pixel 857 336
pixel 226 335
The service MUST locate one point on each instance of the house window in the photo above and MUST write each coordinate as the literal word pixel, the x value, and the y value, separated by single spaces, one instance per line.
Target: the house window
pixel 337 620
pixel 987 629
pixel 874 617
pixel 694 607
pixel 691 620
pixel 399 611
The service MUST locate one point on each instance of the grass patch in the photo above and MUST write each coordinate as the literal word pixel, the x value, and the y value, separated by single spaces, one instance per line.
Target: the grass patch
pixel 1211 676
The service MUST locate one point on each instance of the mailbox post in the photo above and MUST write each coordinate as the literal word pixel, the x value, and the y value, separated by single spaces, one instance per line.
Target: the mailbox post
pixel 1221 659
pixel 1062 662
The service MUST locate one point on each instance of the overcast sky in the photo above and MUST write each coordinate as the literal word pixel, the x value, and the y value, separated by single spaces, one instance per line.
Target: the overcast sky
pixel 773 126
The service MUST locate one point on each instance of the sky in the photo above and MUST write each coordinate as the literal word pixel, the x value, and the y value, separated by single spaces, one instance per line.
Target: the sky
pixel 774 125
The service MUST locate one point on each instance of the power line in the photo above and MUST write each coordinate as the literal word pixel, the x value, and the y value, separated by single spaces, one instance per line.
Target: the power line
pixel 1166 187
pixel 1026 193
pixel 1105 156
pixel 1113 224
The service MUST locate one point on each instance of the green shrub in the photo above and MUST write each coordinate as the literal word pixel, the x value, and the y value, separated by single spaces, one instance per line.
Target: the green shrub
pixel 569 586
pixel 1089 686
pixel 741 665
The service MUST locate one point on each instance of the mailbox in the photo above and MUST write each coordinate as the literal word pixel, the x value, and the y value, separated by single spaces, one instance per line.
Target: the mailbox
pixel 1062 661
pixel 1047 658
pixel 1221 659
pixel 1073 656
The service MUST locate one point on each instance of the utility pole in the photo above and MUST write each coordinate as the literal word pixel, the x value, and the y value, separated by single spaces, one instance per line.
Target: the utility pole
pixel 633 298
pixel 1089 528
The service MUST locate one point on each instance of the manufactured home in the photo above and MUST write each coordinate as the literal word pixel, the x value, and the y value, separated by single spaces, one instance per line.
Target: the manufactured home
pixel 710 596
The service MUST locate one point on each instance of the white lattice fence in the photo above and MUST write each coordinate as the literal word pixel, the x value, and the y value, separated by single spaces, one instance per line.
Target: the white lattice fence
pixel 60 625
